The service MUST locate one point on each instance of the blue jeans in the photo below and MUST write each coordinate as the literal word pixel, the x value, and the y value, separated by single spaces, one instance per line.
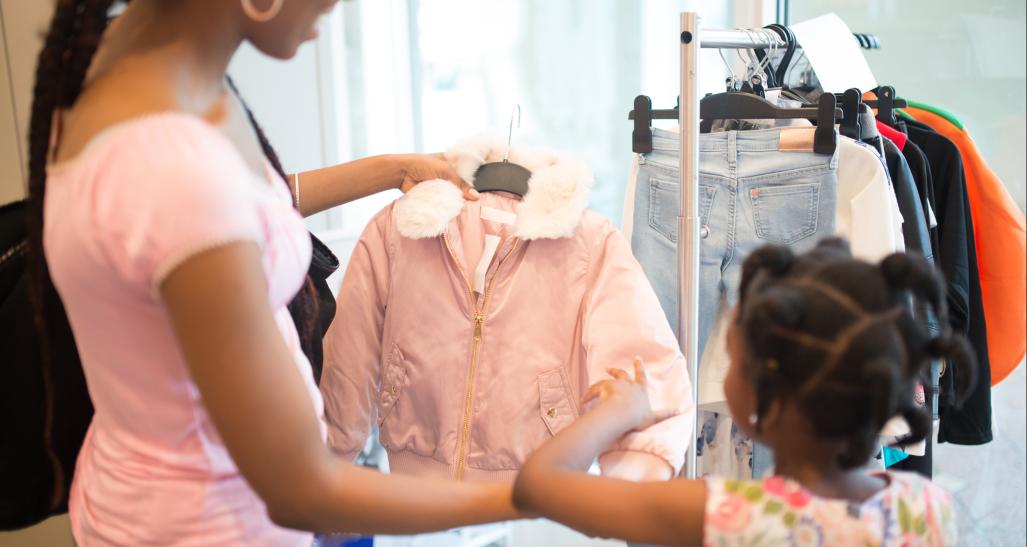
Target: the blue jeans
pixel 751 193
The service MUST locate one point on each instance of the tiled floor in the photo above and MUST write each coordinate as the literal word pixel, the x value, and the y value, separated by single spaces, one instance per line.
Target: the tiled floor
pixel 990 481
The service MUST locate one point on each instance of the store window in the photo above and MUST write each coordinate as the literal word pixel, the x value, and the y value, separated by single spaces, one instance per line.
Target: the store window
pixel 968 58
pixel 423 74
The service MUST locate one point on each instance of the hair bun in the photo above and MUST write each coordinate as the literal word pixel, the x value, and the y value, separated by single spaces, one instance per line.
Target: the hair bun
pixel 775 260
pixel 836 246
pixel 903 271
pixel 960 359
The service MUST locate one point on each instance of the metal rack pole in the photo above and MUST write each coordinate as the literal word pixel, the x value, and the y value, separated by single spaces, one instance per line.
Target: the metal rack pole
pixel 740 39
pixel 688 217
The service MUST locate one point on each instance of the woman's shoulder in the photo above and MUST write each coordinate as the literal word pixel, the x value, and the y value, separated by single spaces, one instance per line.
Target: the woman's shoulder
pixel 155 140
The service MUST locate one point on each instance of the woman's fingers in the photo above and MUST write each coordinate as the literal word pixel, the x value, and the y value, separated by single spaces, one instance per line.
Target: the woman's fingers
pixel 594 391
pixel 470 193
pixel 618 374
pixel 640 376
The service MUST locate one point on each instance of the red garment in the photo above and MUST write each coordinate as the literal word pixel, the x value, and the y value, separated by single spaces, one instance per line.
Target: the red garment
pixel 894 135
pixel 1001 239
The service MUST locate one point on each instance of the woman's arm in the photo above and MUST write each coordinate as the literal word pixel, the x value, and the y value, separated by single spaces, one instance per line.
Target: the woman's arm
pixel 256 397
pixel 553 482
pixel 329 187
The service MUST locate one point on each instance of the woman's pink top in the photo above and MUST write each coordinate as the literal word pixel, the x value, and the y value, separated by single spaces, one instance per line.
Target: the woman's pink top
pixel 141 199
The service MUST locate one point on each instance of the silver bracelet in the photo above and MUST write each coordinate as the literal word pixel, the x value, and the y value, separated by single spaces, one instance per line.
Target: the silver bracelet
pixel 296 189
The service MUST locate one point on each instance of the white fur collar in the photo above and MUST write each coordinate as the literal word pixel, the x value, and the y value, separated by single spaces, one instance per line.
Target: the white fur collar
pixel 558 192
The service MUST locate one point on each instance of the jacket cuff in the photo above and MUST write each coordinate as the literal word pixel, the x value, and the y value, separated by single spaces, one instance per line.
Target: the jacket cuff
pixel 635 466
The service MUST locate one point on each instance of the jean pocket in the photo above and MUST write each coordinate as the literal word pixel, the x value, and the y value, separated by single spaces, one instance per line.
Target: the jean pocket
pixel 785 214
pixel 665 203
pixel 394 379
pixel 556 406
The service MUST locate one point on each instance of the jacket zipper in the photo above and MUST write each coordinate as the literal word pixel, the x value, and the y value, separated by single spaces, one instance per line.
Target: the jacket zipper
pixel 472 369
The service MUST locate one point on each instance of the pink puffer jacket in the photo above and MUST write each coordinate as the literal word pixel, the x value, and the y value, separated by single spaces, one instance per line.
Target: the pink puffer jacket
pixel 470 330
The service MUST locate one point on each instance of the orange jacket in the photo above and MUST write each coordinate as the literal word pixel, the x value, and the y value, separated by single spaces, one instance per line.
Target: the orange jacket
pixel 999 233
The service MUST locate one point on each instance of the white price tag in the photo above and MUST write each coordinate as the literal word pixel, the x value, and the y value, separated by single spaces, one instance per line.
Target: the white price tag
pixel 834 54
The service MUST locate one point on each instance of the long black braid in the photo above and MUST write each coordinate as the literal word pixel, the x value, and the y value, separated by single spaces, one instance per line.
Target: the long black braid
pixel 835 335
pixel 68 49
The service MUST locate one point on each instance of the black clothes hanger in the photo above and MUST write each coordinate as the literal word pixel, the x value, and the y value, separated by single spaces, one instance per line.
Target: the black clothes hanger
pixel 852 101
pixel 643 115
pixel 743 106
pixel 503 176
pixel 850 126
pixel 886 104
pixel 735 105
pixel 867 41
pixel 791 44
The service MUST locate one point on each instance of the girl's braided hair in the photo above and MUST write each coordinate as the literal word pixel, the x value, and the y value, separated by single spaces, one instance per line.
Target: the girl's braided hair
pixel 835 335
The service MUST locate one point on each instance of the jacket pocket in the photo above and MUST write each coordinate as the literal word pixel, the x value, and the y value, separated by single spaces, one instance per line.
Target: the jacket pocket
pixel 394 380
pixel 665 203
pixel 556 406
pixel 785 214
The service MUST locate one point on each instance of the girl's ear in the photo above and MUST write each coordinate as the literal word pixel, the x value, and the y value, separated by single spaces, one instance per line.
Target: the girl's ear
pixel 775 416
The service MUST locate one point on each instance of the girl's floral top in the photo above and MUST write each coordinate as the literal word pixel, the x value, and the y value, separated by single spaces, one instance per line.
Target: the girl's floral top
pixel 910 511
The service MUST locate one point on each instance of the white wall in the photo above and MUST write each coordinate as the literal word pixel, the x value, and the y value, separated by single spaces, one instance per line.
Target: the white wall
pixel 23 24
pixel 11 175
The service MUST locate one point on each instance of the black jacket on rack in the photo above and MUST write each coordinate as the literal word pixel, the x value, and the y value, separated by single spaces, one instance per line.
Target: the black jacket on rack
pixel 921 171
pixel 957 257
pixel 916 233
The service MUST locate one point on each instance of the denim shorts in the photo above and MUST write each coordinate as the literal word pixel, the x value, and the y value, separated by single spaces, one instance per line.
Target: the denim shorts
pixel 751 193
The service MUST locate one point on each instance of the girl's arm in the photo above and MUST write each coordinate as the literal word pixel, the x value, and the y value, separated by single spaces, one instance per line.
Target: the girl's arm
pixel 329 187
pixel 251 387
pixel 554 484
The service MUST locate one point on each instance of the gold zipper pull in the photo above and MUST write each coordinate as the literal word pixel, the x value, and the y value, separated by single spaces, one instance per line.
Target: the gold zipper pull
pixel 478 320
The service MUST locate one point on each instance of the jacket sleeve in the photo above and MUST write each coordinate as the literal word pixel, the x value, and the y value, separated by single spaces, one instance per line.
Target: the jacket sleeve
pixel 351 381
pixel 622 319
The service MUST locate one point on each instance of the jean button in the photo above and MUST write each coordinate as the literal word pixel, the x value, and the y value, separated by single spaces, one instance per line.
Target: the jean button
pixel 704 232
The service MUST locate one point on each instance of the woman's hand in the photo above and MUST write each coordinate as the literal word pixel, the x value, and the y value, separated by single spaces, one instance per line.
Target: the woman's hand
pixel 627 398
pixel 418 168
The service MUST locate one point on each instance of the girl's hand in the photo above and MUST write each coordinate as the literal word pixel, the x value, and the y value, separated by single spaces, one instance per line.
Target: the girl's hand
pixel 627 398
pixel 418 168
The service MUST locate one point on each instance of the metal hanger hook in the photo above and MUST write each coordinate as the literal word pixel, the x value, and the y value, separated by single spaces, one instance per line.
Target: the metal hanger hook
pixel 731 79
pixel 509 136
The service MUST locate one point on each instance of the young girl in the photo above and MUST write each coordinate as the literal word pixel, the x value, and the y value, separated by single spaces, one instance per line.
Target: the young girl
pixel 823 352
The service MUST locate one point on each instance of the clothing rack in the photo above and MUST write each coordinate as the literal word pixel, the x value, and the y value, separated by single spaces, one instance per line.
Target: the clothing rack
pixel 687 113
pixel 691 40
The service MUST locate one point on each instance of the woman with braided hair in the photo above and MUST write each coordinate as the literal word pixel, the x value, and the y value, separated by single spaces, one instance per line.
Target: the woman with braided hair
pixel 823 352
pixel 172 236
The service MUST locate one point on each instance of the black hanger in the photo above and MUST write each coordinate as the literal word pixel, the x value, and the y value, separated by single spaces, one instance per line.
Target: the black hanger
pixel 735 105
pixel 886 104
pixel 503 176
pixel 850 126
pixel 853 103
pixel 643 115
pixel 743 106
pixel 791 43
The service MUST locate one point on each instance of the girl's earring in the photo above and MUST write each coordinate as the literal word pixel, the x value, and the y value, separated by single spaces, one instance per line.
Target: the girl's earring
pixel 753 419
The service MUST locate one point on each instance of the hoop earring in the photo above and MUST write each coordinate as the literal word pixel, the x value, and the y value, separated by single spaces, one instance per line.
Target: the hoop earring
pixel 255 14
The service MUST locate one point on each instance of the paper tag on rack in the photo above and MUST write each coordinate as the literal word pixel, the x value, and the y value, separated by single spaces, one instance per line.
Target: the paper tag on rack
pixel 834 54
pixel 796 139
